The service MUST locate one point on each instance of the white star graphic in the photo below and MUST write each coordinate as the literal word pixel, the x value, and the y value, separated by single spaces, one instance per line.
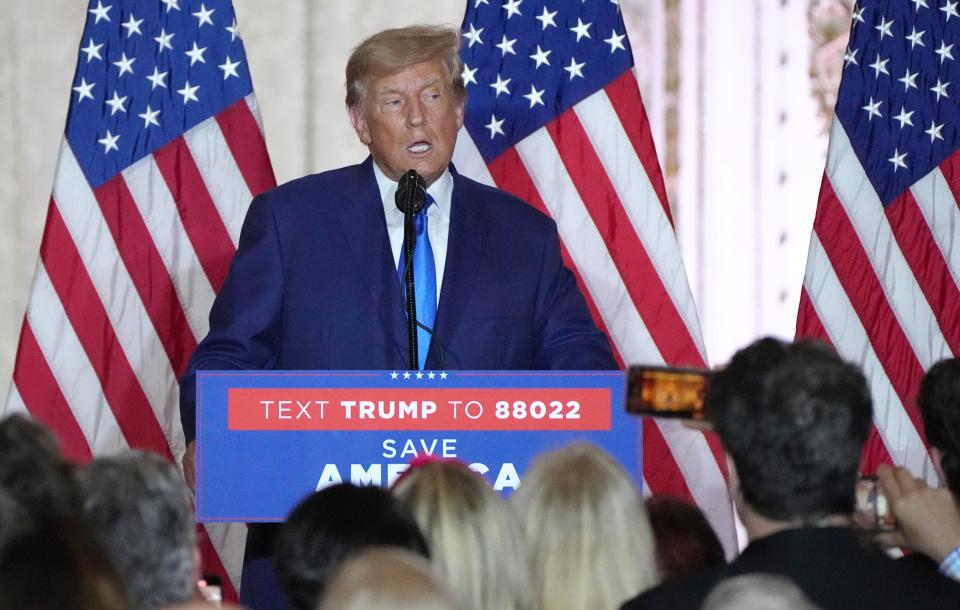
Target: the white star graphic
pixel 479 2
pixel 116 103
pixel 394 375
pixel 898 160
pixel 132 25
pixel 150 117
pixel 501 86
pixel 945 51
pixel 581 29
pixel 506 46
pixel 189 93
pixel 512 7
pixel 850 57
pixel 574 68
pixel 909 80
pixel 535 97
pixel 916 38
pixel 541 57
pixel 229 68
pixel 950 9
pixel 918 4
pixel 546 18
pixel 172 5
pixel 203 16
pixel 473 36
pixel 234 30
pixel 858 15
pixel 419 374
pixel 84 89
pixel 92 50
pixel 873 109
pixel 468 75
pixel 884 28
pixel 879 66
pixel 101 12
pixel 940 89
pixel 495 127
pixel 443 374
pixel 158 79
pixel 934 131
pixel 904 117
pixel 196 54
pixel 125 64
pixel 615 41
pixel 406 374
pixel 164 40
pixel 109 142
pixel 431 375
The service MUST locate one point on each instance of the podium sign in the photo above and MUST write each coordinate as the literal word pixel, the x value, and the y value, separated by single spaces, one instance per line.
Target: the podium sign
pixel 266 439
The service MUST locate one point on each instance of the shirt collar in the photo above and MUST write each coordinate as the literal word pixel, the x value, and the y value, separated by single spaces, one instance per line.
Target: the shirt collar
pixel 441 190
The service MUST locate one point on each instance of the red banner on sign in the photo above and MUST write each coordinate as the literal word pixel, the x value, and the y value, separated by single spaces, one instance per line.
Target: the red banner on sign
pixel 418 409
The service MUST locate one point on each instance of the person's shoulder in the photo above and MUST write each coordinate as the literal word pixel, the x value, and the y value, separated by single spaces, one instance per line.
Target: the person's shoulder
pixel 503 206
pixel 681 593
pixel 307 188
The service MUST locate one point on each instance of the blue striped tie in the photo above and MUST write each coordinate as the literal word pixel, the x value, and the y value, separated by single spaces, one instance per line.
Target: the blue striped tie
pixel 425 281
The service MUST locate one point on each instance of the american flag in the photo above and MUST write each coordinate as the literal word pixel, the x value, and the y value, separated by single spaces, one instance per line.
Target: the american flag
pixel 554 116
pixel 884 259
pixel 162 154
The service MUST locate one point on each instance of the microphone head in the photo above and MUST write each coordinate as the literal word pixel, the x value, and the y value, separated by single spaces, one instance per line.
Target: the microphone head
pixel 411 192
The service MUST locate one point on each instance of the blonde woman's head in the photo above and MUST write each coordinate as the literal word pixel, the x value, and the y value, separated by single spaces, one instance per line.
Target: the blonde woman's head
pixel 382 577
pixel 473 536
pixel 587 535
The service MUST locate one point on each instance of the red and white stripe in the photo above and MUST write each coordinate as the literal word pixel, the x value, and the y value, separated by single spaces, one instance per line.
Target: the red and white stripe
pixel 881 287
pixel 594 170
pixel 120 298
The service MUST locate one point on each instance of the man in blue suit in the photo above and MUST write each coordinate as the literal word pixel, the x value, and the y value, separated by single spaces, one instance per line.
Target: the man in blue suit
pixel 314 283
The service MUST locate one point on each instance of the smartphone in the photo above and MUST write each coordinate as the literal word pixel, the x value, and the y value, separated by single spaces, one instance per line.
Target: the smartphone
pixel 211 589
pixel 663 391
pixel 872 511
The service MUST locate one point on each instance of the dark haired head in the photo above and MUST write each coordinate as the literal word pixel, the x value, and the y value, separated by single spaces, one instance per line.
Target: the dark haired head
pixel 685 541
pixel 794 418
pixel 939 402
pixel 331 525
pixel 33 472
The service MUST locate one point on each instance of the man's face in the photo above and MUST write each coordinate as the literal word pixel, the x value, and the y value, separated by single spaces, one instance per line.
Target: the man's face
pixel 410 121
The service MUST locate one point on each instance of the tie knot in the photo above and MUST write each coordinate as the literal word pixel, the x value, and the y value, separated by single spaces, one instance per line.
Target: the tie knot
pixel 427 202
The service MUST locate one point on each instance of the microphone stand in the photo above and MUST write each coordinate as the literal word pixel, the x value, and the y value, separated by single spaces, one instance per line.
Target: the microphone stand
pixel 410 197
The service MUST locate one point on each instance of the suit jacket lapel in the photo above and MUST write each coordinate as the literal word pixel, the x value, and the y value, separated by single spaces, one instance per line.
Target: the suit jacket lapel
pixel 366 231
pixel 465 245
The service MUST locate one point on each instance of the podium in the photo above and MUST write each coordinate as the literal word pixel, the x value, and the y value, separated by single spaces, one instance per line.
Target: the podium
pixel 266 439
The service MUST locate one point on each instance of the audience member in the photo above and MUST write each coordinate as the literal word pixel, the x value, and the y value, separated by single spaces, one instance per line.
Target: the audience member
pixel 758 592
pixel 793 419
pixel 33 472
pixel 55 565
pixel 685 541
pixel 585 528
pixel 386 578
pixel 139 510
pixel 472 533
pixel 928 520
pixel 330 526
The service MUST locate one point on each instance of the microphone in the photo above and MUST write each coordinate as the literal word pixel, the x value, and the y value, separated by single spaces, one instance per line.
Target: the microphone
pixel 410 197
pixel 411 192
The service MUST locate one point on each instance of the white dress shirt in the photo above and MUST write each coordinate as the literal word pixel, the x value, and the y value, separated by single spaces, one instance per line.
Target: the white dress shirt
pixel 438 218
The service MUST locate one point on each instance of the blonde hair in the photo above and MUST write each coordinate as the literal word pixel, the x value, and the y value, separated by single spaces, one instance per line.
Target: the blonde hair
pixel 472 533
pixel 587 535
pixel 392 51
pixel 382 577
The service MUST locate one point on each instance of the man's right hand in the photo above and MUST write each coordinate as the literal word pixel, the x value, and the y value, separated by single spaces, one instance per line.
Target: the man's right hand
pixel 190 466
pixel 928 520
